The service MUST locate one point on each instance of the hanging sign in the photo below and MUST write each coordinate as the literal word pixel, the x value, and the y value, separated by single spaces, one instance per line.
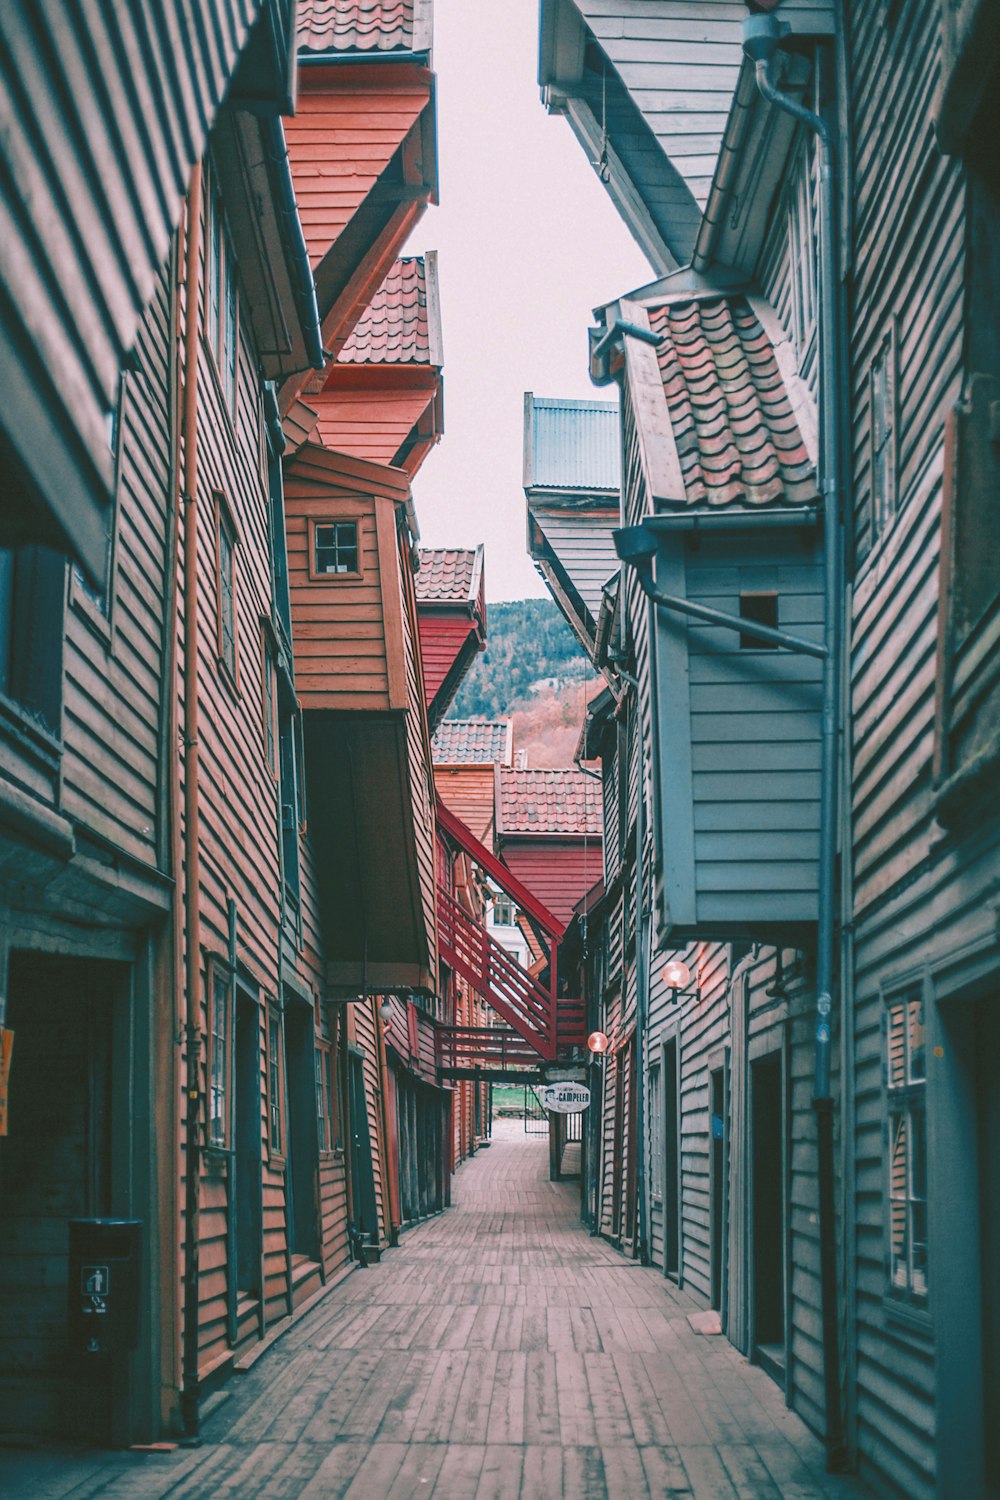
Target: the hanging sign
pixel 6 1048
pixel 564 1098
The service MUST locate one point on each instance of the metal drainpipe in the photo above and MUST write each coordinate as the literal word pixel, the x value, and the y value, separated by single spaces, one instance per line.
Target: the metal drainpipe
pixel 192 859
pixel 762 35
pixel 641 990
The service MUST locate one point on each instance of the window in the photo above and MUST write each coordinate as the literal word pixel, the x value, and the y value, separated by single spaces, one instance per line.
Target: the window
pixel 655 1134
pixel 218 1056
pixel 762 609
pixel 882 436
pixel 335 548
pixel 269 693
pixel 802 254
pixel 503 911
pixel 32 591
pixel 275 1090
pixel 324 1095
pixel 222 307
pixel 906 1088
pixel 289 771
pixel 226 584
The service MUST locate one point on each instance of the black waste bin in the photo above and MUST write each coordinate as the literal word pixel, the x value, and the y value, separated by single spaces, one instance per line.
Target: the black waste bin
pixel 104 1284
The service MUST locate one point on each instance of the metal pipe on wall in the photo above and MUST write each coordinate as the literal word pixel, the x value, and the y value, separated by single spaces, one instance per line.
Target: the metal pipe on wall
pixel 192 833
pixel 762 35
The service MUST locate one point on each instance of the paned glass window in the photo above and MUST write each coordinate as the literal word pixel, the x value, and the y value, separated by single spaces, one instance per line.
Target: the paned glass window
pixel 656 1133
pixel 226 593
pixel 323 1096
pixel 218 1093
pixel 276 1135
pixel 336 547
pixel 906 1089
pixel 269 687
pixel 222 301
pixel 882 397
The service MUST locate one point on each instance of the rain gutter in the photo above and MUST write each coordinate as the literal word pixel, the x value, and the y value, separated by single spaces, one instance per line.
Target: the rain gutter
pixel 293 239
pixel 356 59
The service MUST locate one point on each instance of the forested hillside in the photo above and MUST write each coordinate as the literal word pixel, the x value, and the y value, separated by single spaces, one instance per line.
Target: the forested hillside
pixel 528 643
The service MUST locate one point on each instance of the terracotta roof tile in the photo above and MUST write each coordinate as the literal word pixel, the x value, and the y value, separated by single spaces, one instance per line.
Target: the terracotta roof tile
pixel 448 576
pixel 394 329
pixel 553 802
pixel 355 25
pixel 736 433
pixel 479 742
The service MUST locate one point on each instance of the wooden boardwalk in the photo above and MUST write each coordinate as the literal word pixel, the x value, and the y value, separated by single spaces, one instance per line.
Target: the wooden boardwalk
pixel 500 1352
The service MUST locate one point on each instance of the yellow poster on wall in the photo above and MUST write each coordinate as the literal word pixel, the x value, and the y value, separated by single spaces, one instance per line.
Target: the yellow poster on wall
pixel 6 1048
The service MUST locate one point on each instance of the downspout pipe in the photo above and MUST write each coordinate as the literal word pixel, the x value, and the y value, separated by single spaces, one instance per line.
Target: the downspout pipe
pixel 192 831
pixel 761 38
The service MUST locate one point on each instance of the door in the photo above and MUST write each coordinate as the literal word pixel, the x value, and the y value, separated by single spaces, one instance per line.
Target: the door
pixel 671 1162
pixel 55 1165
pixel 362 1168
pixel 618 1144
pixel 247 1147
pixel 988 1129
pixel 631 1149
pixel 767 1148
pixel 303 1130
pixel 717 1179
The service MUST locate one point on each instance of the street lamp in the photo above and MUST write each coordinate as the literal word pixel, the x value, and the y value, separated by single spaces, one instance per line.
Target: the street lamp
pixel 677 977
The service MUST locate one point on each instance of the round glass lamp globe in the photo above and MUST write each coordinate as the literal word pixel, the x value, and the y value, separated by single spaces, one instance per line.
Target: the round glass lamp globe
pixel 597 1042
pixel 676 974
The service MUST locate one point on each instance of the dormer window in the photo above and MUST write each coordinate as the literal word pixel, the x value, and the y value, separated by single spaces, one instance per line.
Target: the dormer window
pixel 335 549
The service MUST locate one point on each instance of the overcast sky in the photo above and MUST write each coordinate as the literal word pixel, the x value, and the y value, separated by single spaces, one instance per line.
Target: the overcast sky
pixel 529 243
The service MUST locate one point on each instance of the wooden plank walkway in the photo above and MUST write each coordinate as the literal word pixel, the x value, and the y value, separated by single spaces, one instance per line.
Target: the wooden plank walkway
pixel 500 1353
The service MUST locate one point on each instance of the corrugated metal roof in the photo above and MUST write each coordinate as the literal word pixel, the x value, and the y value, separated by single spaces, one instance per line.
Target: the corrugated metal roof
pixel 472 742
pixel 448 575
pixel 355 25
pixel 736 433
pixel 571 445
pixel 549 802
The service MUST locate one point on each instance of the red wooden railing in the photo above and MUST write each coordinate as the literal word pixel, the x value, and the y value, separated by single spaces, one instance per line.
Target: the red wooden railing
pixel 487 1047
pixel 546 1023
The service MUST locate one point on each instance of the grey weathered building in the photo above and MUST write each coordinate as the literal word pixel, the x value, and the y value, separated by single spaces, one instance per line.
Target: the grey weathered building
pixel 725 1073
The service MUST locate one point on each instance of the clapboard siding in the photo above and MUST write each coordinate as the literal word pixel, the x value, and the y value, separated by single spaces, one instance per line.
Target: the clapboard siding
pixel 112 691
pixel 558 871
pixel 418 749
pixel 908 253
pixel 467 791
pixel 105 110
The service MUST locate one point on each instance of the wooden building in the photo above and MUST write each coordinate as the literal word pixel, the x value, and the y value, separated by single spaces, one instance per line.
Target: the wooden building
pixel 178 734
pixel 451 604
pixel 895 1367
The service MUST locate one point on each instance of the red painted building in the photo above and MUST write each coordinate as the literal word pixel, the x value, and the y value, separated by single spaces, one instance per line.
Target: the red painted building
pixel 549 833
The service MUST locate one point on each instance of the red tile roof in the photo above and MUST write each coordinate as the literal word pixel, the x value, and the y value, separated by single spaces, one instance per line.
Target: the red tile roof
pixel 449 576
pixel 396 328
pixel 472 742
pixel 355 25
pixel 548 802
pixel 736 433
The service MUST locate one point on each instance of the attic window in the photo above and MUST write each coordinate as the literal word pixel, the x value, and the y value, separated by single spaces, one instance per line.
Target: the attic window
pixel 762 609
pixel 335 548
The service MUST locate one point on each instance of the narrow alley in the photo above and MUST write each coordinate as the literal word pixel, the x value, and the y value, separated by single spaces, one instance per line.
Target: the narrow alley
pixel 500 1351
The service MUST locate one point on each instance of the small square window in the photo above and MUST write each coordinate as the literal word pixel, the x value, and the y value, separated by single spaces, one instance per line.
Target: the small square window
pixel 335 547
pixel 762 609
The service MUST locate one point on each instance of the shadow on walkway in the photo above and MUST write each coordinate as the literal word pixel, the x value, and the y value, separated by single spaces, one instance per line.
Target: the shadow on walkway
pixel 499 1352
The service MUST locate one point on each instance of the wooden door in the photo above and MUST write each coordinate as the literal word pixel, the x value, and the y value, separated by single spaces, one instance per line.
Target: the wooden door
pixel 671 1162
pixel 618 1140
pixel 303 1131
pixel 988 1110
pixel 55 1165
pixel 247 1147
pixel 362 1169
pixel 767 1209
pixel 631 1147
pixel 717 1183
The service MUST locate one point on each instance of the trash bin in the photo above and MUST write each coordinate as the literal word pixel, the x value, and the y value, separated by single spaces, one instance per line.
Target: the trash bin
pixel 104 1259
